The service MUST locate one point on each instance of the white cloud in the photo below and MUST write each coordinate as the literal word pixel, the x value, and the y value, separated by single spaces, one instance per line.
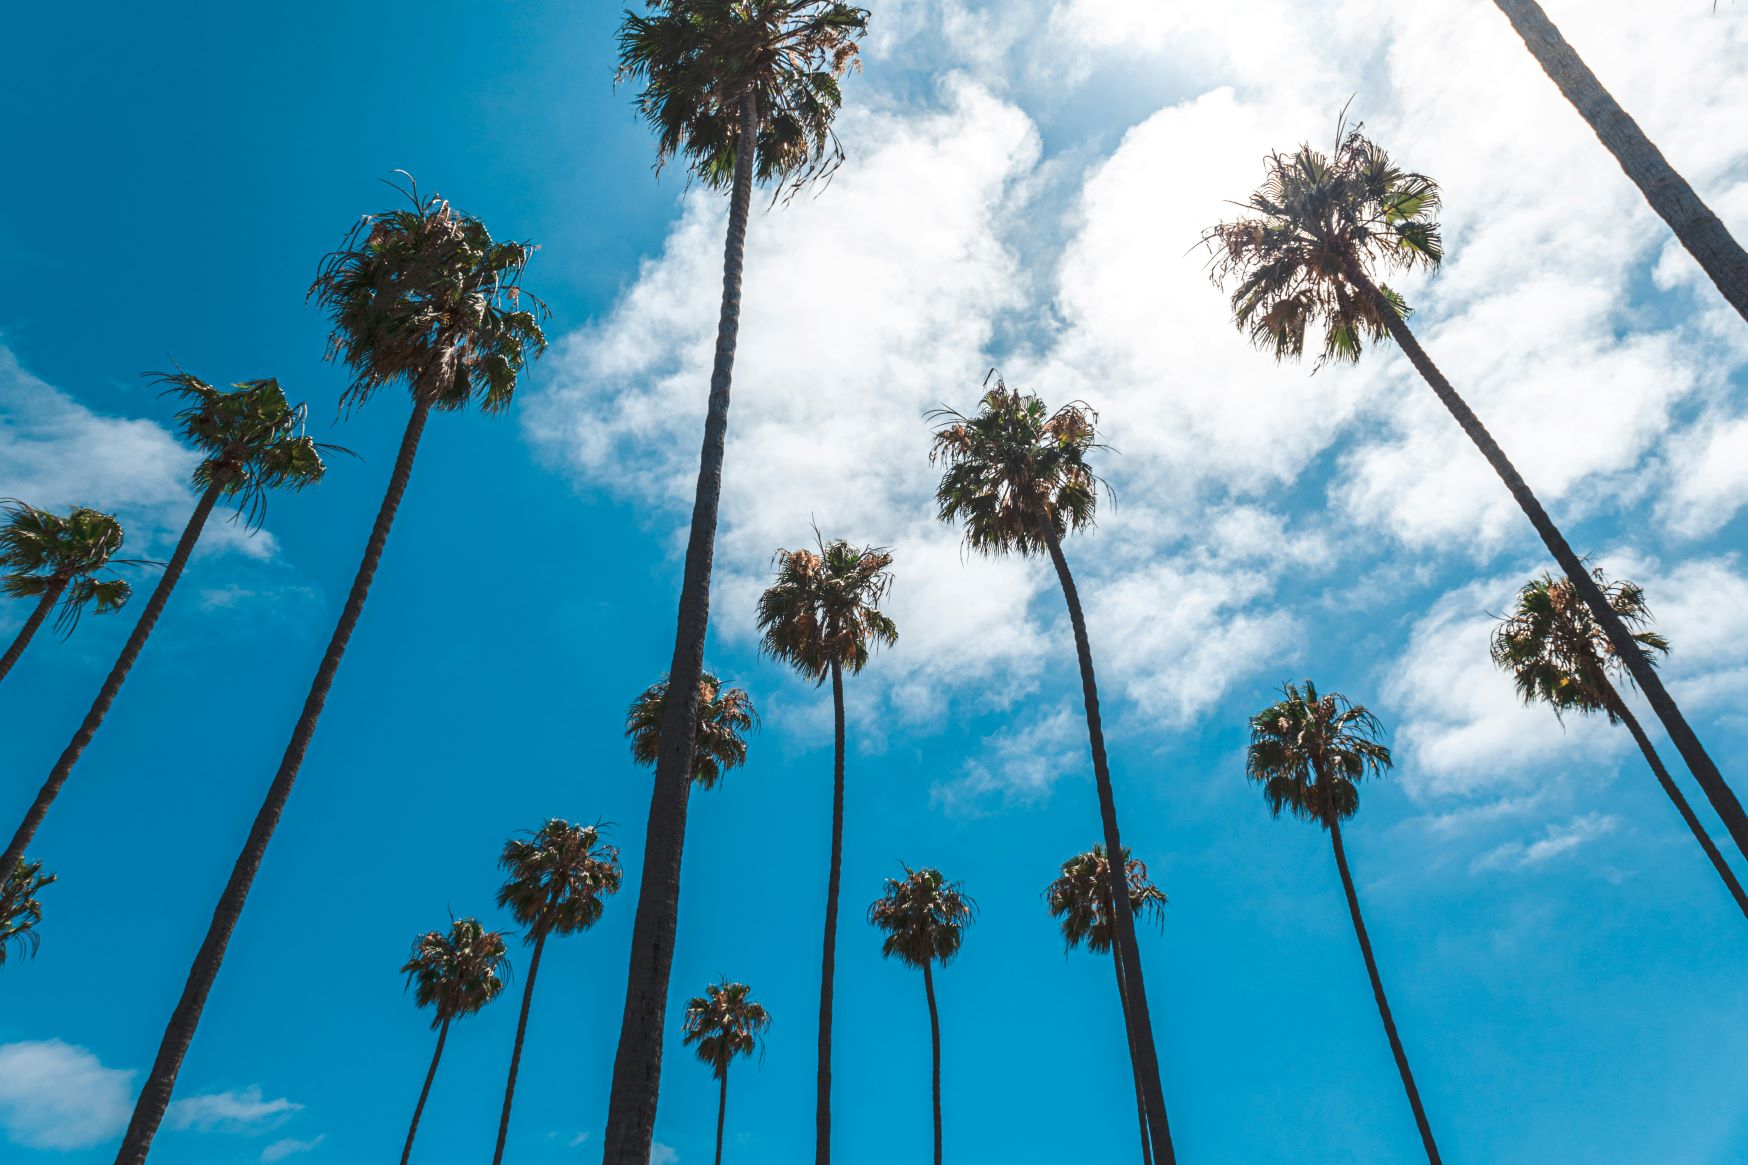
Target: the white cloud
pixel 660 1154
pixel 1017 766
pixel 1710 463
pixel 55 1095
pixel 235 1111
pixel 280 1150
pixel 1557 841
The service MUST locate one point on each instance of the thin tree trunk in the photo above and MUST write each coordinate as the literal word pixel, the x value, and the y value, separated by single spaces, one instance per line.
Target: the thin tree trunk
pixel 1721 796
pixel 828 958
pixel 1625 715
pixel 1140 1096
pixel 721 1113
pixel 935 1043
pixel 637 1065
pixel 1359 928
pixel 1669 194
pixel 430 1075
pixel 28 632
pixel 1139 1022
pixel 130 652
pixel 516 1050
pixel 161 1082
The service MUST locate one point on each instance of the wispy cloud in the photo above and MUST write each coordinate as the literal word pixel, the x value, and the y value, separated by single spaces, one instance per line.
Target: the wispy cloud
pixel 239 1110
pixel 1020 766
pixel 1558 841
pixel 280 1150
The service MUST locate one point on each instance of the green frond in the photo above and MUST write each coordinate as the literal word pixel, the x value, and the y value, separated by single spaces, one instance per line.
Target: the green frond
pixel 557 881
pixel 1080 898
pixel 723 1023
pixel 824 608
pixel 724 717
pixel 924 917
pixel 1309 752
pixel 458 972
pixel 1556 652
pixel 21 909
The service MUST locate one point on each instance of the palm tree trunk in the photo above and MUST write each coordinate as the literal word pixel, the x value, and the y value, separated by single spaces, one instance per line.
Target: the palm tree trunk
pixel 721 1113
pixel 1140 1096
pixel 1721 796
pixel 1622 713
pixel 637 1065
pixel 130 652
pixel 935 1043
pixel 828 957
pixel 1359 928
pixel 161 1082
pixel 1669 194
pixel 40 612
pixel 430 1075
pixel 516 1050
pixel 1145 1058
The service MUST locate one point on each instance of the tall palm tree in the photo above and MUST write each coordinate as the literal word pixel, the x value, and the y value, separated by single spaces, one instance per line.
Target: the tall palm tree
pixel 252 441
pixel 55 559
pixel 925 918
pixel 1700 231
pixel 715 74
pixel 422 296
pixel 556 883
pixel 1081 897
pixel 1556 653
pixel 721 719
pixel 1017 477
pixel 454 974
pixel 20 910
pixel 1304 260
pixel 1309 752
pixel 721 1024
pixel 822 616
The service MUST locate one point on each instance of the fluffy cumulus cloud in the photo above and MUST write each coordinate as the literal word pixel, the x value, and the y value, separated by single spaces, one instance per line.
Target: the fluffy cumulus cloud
pixel 55 1095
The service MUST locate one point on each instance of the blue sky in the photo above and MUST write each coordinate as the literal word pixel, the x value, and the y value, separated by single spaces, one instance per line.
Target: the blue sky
pixel 1025 185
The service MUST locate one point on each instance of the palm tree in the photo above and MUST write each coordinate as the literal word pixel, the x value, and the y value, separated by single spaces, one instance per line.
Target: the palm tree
pixel 715 74
pixel 455 974
pixel 925 918
pixel 723 1023
pixel 252 441
pixel 52 559
pixel 1556 653
pixel 1309 752
pixel 1017 477
pixel 822 616
pixel 1700 231
pixel 1303 261
pixel 557 883
pixel 721 717
pixel 422 296
pixel 20 911
pixel 1081 897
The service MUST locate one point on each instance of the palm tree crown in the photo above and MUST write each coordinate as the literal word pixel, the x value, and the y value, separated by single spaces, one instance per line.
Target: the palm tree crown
pixel 559 878
pixel 40 550
pixel 924 917
pixel 1081 897
pixel 1013 467
pixel 1556 651
pixel 457 973
pixel 699 59
pixel 824 608
pixel 424 293
pixel 251 439
pixel 20 911
pixel 724 717
pixel 1310 751
pixel 723 1023
pixel 1319 223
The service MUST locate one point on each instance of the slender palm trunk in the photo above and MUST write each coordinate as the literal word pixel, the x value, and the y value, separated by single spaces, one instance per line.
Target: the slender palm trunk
pixel 1359 928
pixel 935 1044
pixel 1700 763
pixel 1625 715
pixel 130 652
pixel 161 1081
pixel 516 1049
pixel 1669 194
pixel 637 1065
pixel 430 1075
pixel 44 605
pixel 1140 1096
pixel 721 1113
pixel 1145 1060
pixel 822 1151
